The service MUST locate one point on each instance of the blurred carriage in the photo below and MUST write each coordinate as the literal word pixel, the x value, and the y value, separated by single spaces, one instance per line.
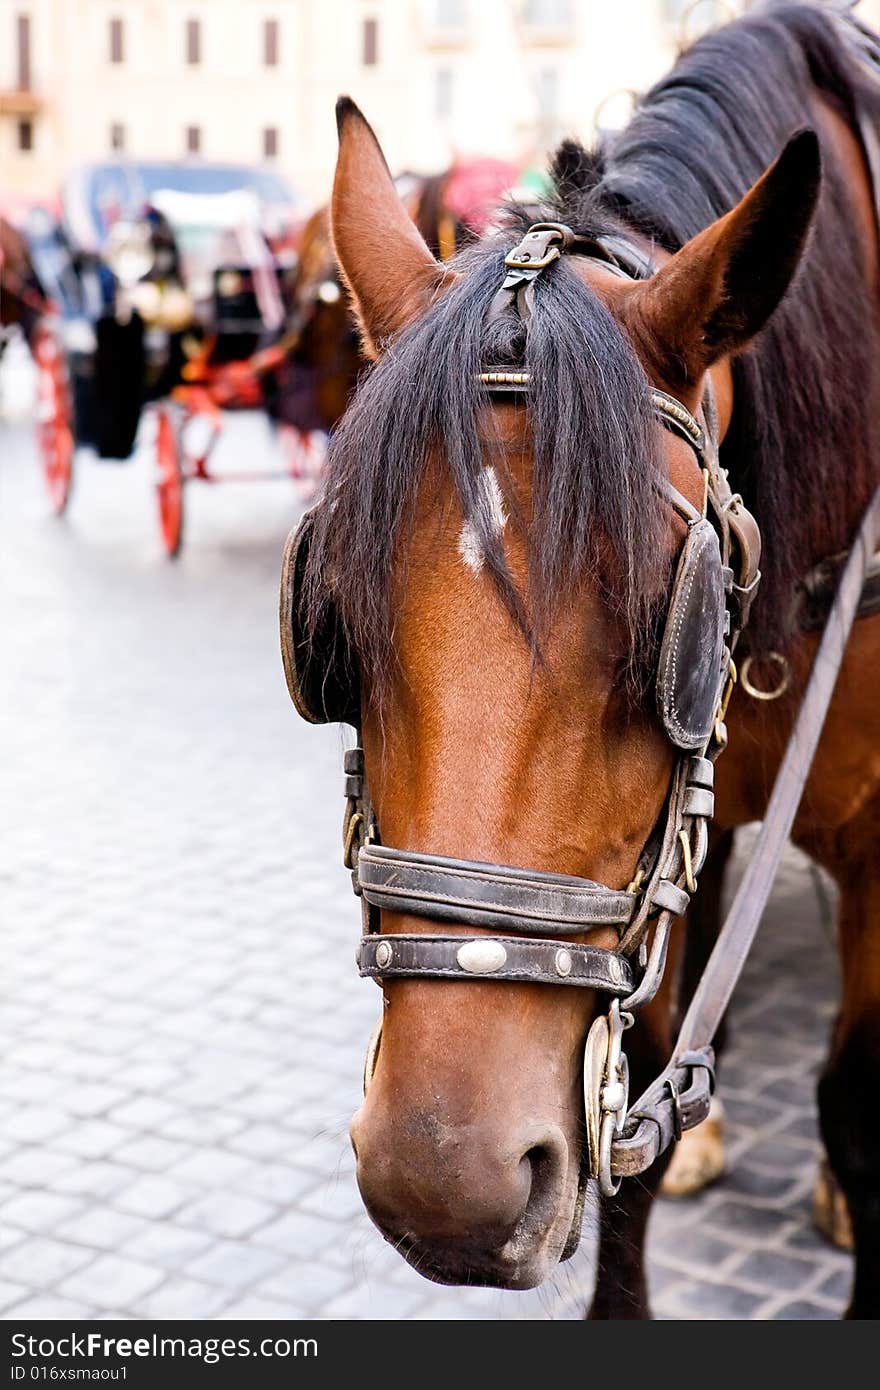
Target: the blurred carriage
pixel 186 290
pixel 164 287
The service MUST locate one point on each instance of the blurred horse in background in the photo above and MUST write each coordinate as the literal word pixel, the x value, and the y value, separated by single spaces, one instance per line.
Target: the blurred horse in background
pixel 309 392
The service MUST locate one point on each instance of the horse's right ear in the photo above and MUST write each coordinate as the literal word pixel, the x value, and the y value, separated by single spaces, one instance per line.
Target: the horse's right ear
pixel 719 290
pixel 386 264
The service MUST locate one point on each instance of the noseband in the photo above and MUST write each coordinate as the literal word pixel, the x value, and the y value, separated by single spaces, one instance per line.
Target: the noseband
pixel 538 914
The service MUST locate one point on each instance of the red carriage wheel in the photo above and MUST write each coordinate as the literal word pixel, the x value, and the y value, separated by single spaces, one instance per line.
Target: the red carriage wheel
pixel 169 485
pixel 55 437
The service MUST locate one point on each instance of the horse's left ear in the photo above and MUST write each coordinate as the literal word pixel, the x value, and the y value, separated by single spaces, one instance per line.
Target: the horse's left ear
pixel 384 260
pixel 720 289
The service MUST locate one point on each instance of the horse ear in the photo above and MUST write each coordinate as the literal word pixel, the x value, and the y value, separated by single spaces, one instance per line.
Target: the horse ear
pixel 720 289
pixel 385 263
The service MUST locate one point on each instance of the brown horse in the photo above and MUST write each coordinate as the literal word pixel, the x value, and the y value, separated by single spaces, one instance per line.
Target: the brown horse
pixel 503 574
pixel 22 300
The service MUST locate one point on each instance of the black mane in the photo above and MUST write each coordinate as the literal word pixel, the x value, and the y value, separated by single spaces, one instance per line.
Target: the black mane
pixel 802 447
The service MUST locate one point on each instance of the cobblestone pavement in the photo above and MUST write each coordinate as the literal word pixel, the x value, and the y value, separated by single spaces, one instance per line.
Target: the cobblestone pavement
pixel 182 1026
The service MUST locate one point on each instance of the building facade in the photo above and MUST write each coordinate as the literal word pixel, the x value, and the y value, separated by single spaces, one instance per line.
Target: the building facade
pixel 256 80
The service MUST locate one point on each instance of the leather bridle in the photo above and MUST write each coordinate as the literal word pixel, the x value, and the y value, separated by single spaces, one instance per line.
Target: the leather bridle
pixel 540 912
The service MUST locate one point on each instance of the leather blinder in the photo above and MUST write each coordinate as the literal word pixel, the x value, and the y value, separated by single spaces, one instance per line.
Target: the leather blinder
pixel 693 656
pixel 322 676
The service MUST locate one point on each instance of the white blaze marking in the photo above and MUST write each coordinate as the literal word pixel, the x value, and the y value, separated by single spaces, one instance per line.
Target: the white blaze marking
pixel 492 516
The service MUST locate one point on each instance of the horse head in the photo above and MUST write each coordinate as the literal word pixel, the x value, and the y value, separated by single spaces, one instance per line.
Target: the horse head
pixel 502 566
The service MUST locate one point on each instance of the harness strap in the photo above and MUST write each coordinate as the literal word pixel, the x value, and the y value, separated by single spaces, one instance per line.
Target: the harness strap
pixel 501 958
pixel 651 1123
pixel 487 895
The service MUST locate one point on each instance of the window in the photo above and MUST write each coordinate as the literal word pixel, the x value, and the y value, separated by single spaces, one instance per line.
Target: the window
pixel 548 94
pixel 194 139
pixel 270 142
pixel 443 93
pixel 550 14
pixel 449 14
pixel 371 43
pixel 270 43
pixel 193 41
pixel 25 135
pixel 117 42
pixel 23 44
pixel 117 136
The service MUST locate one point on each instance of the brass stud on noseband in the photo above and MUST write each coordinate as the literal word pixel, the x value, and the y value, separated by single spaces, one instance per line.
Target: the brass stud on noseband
pixel 481 957
pixel 383 954
pixel 563 963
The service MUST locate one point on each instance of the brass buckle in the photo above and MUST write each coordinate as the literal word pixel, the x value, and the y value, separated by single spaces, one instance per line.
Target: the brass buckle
pixel 542 244
pixel 719 728
pixel 606 1092
pixel 354 823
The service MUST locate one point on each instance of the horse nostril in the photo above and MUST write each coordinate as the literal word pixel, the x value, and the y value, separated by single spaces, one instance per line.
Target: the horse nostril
pixel 547 1161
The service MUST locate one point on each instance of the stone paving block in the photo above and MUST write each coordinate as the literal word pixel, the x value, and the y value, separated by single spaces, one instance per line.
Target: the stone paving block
pixel 837 1286
pixel 111 1282
pixel 102 1227
pixel 154 1196
pixel 227 1214
pixel 30 1086
pixel 40 1261
pixel 279 1183
pixel 34 1167
pixel 777 1153
pixel 95 1178
pixel 698 1248
pixel 181 1298
pixel 309 1283
pixel 92 1139
pixel 235 1265
pixel 743 1221
pixel 34 1124
pixel 49 1307
pixel 298 1234
pixel 93 1099
pixel 162 1243
pixel 201 1127
pixel 10 1237
pixel 144 1112
pixel 208 1168
pixel 10 1293
pixel 261 1141
pixel 771 1188
pixel 39 1211
pixel 254 1309
pixel 803 1310
pixel 774 1270
pixel 721 1301
pixel 384 1302
pixel 149 1152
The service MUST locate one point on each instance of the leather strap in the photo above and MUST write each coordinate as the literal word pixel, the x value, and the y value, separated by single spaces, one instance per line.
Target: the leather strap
pixel 816 592
pixel 679 1098
pixel 502 958
pixel 487 895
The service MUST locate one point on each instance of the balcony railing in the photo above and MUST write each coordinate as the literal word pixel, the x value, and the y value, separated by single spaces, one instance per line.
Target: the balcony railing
pixel 14 102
